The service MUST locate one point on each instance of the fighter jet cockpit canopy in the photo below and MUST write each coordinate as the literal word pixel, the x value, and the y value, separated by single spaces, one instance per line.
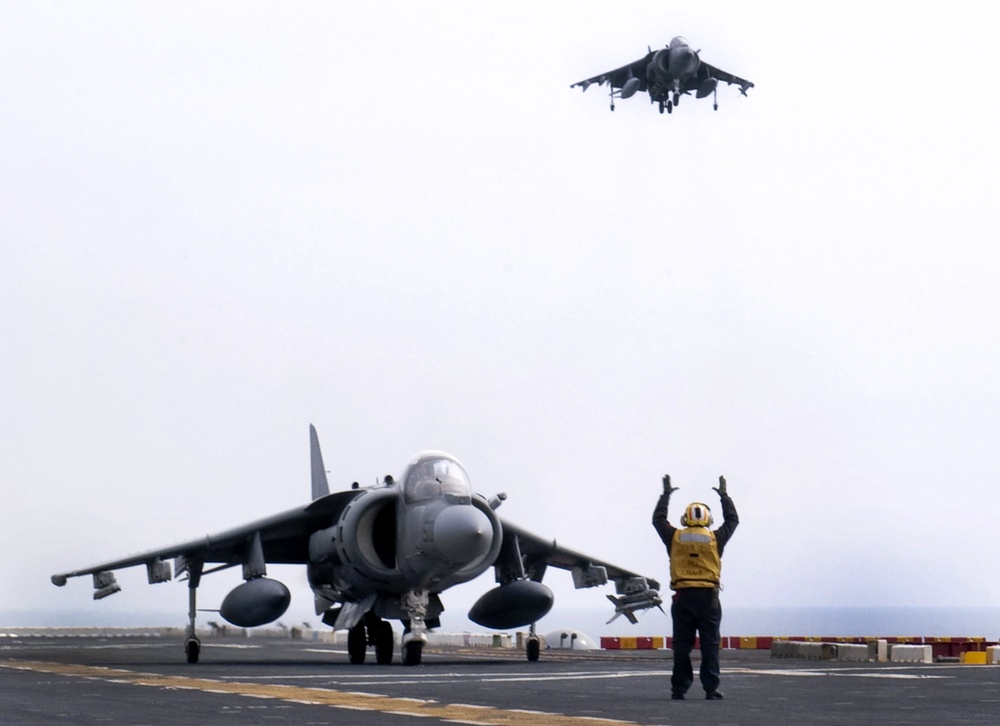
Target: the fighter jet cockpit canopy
pixel 432 474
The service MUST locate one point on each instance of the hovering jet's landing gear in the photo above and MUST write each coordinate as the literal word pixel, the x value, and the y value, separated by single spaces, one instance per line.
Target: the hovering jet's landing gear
pixel 677 99
pixel 662 107
pixel 375 631
pixel 715 100
pixel 534 646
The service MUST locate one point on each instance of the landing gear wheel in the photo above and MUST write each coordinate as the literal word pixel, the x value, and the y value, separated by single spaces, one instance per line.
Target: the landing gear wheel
pixel 192 649
pixel 661 106
pixel 357 644
pixel 670 107
pixel 677 99
pixel 412 652
pixel 612 107
pixel 384 643
pixel 715 107
pixel 533 648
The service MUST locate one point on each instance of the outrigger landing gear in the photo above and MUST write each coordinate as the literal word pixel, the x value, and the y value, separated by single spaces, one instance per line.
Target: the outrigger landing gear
pixel 192 645
pixel 534 646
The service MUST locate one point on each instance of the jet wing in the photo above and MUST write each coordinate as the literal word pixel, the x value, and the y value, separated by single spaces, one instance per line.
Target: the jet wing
pixel 635 592
pixel 618 77
pixel 538 550
pixel 284 539
pixel 725 77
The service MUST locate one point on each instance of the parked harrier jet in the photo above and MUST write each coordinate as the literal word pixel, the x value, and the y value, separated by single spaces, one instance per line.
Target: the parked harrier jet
pixel 666 75
pixel 383 552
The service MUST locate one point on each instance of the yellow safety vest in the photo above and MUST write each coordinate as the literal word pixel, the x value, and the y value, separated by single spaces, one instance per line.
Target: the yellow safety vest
pixel 694 559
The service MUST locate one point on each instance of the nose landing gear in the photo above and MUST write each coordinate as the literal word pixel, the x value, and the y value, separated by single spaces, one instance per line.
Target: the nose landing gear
pixel 415 604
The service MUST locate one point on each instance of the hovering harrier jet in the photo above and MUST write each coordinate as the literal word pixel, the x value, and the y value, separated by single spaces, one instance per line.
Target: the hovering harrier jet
pixel 667 74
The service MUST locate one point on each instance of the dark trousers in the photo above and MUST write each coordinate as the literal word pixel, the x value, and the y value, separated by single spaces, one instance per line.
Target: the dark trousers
pixel 696 610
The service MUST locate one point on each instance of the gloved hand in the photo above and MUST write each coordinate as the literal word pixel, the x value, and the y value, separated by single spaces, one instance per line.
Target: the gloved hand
pixel 721 489
pixel 667 489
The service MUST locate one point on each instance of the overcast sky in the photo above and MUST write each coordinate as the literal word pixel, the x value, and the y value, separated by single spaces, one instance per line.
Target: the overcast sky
pixel 221 222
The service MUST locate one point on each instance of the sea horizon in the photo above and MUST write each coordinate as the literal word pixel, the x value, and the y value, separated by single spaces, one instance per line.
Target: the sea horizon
pixel 788 621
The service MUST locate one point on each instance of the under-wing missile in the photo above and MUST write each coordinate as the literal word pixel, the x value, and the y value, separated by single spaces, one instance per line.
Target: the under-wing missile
pixel 105 584
pixel 628 604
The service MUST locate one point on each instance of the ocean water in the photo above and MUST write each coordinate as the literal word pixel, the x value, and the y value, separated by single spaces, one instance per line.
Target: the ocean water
pixel 811 621
pixel 736 621
pixel 864 621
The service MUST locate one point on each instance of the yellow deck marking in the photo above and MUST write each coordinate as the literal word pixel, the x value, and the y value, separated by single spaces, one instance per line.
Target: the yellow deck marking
pixel 458 713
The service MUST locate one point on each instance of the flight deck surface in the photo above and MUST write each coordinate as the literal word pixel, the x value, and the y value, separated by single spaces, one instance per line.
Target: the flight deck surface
pixel 144 680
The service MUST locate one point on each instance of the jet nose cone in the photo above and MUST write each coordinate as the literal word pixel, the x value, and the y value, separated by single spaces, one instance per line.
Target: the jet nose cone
pixel 462 533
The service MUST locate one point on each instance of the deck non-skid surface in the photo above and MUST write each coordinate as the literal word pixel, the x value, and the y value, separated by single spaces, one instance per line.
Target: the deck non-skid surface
pixel 146 681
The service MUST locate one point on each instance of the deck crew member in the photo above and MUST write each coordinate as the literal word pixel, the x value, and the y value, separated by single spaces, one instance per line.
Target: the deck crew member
pixel 695 553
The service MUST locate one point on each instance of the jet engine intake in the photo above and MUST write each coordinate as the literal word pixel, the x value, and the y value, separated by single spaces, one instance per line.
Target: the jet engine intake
pixel 256 602
pixel 513 605
pixel 364 538
pixel 660 65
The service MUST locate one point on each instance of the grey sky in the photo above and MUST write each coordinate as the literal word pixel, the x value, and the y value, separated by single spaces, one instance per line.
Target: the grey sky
pixel 221 222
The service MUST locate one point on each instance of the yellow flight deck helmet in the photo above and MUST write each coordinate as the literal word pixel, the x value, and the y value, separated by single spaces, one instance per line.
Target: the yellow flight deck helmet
pixel 697 515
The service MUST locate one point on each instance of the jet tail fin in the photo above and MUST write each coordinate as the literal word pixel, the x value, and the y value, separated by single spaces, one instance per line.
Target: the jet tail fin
pixel 320 487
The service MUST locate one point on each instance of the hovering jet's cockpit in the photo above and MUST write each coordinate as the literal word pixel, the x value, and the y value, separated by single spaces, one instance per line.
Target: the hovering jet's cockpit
pixel 434 474
pixel 678 42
